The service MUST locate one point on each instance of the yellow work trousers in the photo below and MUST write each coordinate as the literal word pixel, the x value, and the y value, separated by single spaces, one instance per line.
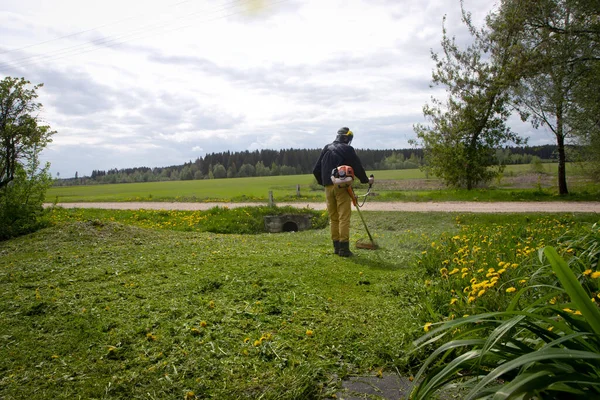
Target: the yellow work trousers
pixel 339 207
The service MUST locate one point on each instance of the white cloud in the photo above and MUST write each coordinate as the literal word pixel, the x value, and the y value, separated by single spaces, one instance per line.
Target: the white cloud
pixel 153 84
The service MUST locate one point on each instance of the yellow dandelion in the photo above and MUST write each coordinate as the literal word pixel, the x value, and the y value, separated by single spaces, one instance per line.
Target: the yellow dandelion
pixel 471 299
pixel 195 331
pixel 309 332
pixel 427 326
pixel 464 275
pixel 523 281
pixel 596 275
pixel 190 395
pixel 211 304
pixel 202 324
pixel 257 343
pixel 568 310
pixel 511 289
pixel 481 293
pixel 501 271
pixel 454 271
pixel 246 340
pixel 577 312
pixel 150 337
pixel 515 265
pixel 464 270
pixel 453 301
pixel 480 270
pixel 587 272
pixel 444 271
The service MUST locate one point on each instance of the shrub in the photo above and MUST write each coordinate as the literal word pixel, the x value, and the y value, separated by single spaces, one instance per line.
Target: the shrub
pixel 21 210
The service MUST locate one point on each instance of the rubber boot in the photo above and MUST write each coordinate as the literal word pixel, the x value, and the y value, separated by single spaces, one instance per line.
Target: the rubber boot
pixel 336 247
pixel 345 250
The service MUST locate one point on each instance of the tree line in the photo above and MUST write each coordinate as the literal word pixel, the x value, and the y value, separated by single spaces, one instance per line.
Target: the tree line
pixel 280 162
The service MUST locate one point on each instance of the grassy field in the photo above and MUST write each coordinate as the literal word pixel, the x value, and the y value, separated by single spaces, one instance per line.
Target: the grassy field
pixel 517 183
pixel 99 306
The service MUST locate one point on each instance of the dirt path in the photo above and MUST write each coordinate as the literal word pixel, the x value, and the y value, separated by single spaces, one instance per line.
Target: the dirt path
pixel 449 206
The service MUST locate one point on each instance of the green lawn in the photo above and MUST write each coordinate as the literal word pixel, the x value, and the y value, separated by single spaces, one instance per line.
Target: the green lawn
pixel 94 308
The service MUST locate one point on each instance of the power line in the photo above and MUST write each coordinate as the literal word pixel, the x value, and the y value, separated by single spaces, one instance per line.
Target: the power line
pixel 82 32
pixel 72 50
pixel 120 39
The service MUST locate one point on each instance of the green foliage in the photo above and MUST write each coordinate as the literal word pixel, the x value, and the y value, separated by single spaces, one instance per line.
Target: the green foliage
pixel 544 343
pixel 21 138
pixel 21 202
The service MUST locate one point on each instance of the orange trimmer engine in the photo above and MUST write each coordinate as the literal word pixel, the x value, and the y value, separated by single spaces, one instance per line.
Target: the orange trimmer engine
pixel 342 176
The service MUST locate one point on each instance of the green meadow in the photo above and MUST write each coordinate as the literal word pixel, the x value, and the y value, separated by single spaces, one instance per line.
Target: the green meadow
pixel 517 183
pixel 164 305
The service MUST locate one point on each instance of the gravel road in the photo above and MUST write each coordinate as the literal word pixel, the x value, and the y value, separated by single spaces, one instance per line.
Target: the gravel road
pixel 447 206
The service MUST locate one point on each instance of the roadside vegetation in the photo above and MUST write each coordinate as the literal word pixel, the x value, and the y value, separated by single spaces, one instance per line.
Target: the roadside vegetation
pixel 103 304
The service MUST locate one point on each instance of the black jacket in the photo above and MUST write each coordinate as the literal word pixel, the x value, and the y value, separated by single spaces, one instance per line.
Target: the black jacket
pixel 334 155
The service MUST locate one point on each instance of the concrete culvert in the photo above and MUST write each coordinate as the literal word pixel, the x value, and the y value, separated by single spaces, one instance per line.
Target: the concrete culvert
pixel 287 223
pixel 290 226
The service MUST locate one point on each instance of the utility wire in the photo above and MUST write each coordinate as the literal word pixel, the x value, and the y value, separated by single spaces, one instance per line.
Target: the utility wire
pixel 120 39
pixel 72 50
pixel 82 32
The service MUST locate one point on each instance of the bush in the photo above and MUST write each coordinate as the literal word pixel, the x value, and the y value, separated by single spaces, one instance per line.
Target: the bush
pixel 21 202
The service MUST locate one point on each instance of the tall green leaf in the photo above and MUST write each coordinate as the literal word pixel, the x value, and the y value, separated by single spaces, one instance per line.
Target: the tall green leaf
pixel 574 289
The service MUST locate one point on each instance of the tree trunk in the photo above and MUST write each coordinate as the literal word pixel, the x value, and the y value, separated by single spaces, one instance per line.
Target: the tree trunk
pixel 562 158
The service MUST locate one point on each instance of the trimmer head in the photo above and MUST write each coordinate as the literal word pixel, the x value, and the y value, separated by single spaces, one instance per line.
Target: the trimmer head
pixel 361 244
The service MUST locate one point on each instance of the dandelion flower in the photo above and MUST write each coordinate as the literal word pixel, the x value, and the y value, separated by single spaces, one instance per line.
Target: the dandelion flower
pixel 481 293
pixel 511 289
pixel 427 326
pixel 514 265
pixel 587 272
pixel 501 271
pixel 464 270
pixel 454 271
pixel 596 275
pixel 444 271
pixel 257 343
pixel 471 299
pixel 195 331
pixel 211 304
pixel 453 300
pixel 309 332
pixel 246 340
pixel 523 281
pixel 202 324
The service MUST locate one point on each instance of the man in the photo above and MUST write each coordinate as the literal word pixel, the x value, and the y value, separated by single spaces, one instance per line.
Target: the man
pixel 339 202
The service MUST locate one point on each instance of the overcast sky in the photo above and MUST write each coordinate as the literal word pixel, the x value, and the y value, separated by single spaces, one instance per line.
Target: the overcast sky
pixel 157 83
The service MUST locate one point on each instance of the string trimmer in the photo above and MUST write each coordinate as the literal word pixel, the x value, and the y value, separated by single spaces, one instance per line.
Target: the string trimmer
pixel 343 177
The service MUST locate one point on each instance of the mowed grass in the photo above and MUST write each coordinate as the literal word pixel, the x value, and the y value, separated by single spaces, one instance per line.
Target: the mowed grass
pixel 97 309
pixel 93 308
pixel 284 189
